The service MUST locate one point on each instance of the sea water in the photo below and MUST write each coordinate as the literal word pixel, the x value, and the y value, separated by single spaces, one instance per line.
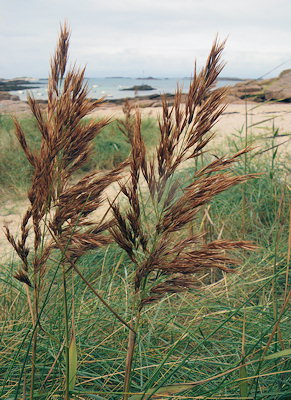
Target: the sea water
pixel 113 87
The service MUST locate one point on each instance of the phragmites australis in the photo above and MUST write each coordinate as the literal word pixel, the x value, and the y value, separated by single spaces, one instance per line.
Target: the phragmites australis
pixel 157 241
pixel 154 228
pixel 57 205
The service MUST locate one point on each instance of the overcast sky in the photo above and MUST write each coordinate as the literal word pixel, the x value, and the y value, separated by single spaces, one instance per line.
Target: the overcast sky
pixel 146 37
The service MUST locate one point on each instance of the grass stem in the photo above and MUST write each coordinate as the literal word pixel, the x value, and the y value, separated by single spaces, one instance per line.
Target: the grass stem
pixel 67 334
pixel 130 354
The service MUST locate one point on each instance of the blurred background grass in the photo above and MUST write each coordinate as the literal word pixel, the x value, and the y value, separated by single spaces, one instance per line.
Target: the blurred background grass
pixel 109 149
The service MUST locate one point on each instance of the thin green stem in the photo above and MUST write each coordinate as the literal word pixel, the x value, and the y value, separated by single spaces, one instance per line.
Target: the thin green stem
pixel 33 360
pixel 35 334
pixel 244 205
pixel 67 335
pixel 131 348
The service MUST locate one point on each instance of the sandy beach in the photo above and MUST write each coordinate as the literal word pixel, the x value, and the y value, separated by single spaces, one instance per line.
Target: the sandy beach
pixel 261 119
pixel 259 116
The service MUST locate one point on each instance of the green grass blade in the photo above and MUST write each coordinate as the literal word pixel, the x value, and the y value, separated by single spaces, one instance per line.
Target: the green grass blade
pixel 243 385
pixel 162 392
pixel 72 363
pixel 278 354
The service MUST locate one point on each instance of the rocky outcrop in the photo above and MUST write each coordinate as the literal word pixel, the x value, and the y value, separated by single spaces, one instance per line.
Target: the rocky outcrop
pixel 8 96
pixel 279 88
pixel 7 85
pixel 276 89
pixel 148 78
pixel 138 88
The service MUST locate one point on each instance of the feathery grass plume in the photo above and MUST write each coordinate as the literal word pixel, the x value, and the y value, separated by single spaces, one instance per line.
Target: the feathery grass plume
pixel 65 147
pixel 126 126
pixel 166 258
pixel 58 206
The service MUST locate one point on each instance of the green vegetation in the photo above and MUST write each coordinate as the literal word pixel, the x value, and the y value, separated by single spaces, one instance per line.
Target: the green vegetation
pixel 191 337
pixel 110 148
pixel 15 171
pixel 206 335
pixel 145 304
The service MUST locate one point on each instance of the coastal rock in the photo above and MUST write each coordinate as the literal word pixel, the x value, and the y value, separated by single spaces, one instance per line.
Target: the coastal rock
pixel 277 89
pixel 7 85
pixel 138 88
pixel 8 96
pixel 148 78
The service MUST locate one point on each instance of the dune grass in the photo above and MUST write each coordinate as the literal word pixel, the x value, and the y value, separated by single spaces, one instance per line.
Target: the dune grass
pixel 13 163
pixel 205 336
pixel 81 305
pixel 232 337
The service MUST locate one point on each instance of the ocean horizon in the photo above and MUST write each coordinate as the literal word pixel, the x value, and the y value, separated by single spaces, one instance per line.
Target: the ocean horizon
pixel 118 87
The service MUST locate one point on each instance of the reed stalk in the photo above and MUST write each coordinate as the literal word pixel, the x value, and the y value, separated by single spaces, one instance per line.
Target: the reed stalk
pixel 166 255
pixel 244 196
pixel 67 334
pixel 35 334
pixel 130 353
pixel 288 256
pixel 59 212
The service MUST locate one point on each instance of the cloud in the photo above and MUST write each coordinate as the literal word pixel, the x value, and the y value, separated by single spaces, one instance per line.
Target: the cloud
pixel 158 36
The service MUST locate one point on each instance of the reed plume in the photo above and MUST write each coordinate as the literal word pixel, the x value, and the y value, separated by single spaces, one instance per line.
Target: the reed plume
pixel 59 210
pixel 166 257
pixel 65 147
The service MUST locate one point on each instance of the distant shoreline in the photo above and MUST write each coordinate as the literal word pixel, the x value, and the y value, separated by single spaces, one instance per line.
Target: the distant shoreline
pixel 10 85
pixel 25 83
